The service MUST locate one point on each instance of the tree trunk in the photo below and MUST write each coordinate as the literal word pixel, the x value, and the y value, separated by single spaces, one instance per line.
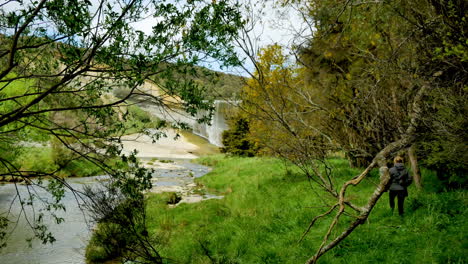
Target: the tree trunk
pixel 357 162
pixel 414 166
pixel 378 192
pixel 407 140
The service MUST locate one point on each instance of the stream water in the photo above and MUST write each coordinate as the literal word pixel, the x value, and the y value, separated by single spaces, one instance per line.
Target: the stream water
pixel 72 235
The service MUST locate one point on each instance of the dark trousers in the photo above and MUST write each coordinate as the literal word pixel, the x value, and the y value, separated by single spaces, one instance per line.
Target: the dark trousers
pixel 401 195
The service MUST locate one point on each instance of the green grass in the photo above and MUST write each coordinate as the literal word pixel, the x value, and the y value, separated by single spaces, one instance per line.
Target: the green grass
pixel 138 119
pixel 267 206
pixel 41 159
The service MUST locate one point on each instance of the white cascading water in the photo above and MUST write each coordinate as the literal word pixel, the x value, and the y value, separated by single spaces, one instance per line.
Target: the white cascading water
pixel 212 132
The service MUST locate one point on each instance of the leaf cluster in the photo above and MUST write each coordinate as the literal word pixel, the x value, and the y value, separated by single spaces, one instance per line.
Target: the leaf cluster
pixel 61 60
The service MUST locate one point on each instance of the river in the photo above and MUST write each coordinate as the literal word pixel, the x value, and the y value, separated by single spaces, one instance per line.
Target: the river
pixel 72 235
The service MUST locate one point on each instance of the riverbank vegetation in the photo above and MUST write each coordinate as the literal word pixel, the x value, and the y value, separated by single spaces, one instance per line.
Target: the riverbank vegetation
pixel 61 61
pixel 45 159
pixel 39 152
pixel 268 205
pixel 354 85
pixel 371 80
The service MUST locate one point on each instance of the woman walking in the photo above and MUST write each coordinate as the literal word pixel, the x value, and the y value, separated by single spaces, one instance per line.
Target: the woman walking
pixel 400 180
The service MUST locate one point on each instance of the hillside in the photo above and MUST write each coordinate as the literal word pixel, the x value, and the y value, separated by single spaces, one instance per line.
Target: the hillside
pixel 215 85
pixel 220 85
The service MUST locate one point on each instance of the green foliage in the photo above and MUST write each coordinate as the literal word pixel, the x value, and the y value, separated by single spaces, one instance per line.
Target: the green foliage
pixel 96 254
pixel 43 159
pixel 136 119
pixel 171 198
pixel 444 148
pixel 217 85
pixel 83 168
pixel 3 233
pixel 225 86
pixel 17 88
pixel 121 230
pixel 236 139
pixel 37 159
pixel 448 159
pixel 270 105
pixel 356 79
pixel 60 61
pixel 106 243
pixel 139 114
pixel 268 204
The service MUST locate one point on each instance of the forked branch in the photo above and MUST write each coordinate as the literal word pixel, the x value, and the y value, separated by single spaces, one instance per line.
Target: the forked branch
pixel 379 160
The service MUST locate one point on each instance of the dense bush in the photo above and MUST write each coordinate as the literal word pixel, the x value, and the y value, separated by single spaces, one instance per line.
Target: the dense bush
pixel 236 139
pixel 449 158
pixel 121 229
pixel 106 243
pixel 135 119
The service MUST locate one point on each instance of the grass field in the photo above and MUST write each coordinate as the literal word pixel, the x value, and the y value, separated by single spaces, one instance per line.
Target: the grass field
pixel 267 206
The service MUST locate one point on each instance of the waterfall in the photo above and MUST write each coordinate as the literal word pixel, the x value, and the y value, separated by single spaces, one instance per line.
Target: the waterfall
pixel 212 131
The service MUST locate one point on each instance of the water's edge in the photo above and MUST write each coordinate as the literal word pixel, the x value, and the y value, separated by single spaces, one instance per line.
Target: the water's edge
pixel 74 233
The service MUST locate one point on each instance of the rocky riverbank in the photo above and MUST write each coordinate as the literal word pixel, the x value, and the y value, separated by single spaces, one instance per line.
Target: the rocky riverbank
pixel 174 173
pixel 177 176
pixel 170 158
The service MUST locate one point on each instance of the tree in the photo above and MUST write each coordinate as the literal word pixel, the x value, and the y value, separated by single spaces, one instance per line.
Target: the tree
pixel 371 82
pixel 60 61
pixel 236 139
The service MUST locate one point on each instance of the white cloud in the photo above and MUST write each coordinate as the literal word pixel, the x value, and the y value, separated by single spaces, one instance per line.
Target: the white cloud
pixel 273 24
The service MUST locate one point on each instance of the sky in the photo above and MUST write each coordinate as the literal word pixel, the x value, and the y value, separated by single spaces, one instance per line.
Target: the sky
pixel 273 25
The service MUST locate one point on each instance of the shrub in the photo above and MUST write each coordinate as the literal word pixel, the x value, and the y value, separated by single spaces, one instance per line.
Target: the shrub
pixel 37 159
pixel 136 119
pixel 172 198
pixel 236 140
pixel 107 243
pixel 139 114
pixel 121 228
pixel 96 254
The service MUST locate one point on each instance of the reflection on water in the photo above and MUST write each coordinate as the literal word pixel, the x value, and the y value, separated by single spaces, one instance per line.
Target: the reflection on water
pixel 73 234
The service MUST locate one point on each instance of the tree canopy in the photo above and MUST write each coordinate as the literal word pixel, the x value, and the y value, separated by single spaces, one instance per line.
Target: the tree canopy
pixel 61 61
pixel 375 79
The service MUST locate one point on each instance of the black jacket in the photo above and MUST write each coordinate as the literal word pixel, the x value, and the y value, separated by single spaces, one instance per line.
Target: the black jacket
pixel 399 177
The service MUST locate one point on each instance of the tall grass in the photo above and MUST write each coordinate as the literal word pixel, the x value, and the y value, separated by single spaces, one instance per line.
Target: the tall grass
pixel 267 206
pixel 41 159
